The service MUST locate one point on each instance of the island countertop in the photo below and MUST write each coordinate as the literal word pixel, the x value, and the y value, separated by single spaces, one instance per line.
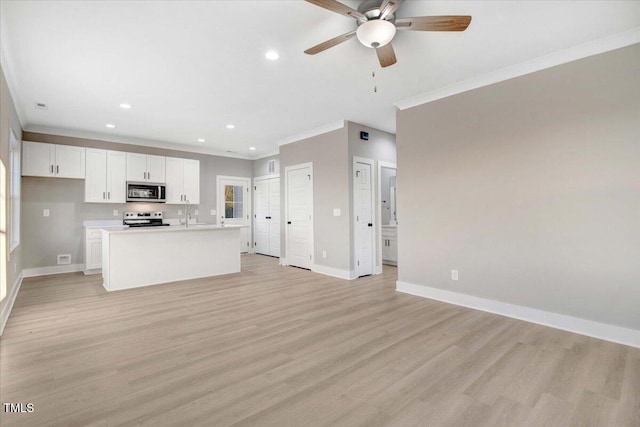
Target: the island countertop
pixel 169 228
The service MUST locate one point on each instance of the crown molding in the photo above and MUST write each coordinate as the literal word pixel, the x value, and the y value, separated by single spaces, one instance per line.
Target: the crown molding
pixel 313 132
pixel 73 133
pixel 580 51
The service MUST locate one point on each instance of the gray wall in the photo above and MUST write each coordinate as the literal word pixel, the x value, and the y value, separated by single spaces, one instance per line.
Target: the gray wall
pixel 531 189
pixel 329 154
pixel 62 232
pixel 9 121
pixel 261 166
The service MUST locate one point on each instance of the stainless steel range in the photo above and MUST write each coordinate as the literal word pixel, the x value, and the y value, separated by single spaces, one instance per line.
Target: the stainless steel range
pixel 143 219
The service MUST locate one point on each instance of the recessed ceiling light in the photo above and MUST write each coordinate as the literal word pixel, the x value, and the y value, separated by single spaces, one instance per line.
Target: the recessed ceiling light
pixel 110 125
pixel 200 139
pixel 125 106
pixel 272 55
pixel 230 126
pixel 252 148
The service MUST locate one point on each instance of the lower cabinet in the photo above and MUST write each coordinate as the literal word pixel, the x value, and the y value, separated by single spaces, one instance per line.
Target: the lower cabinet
pixel 92 250
pixel 390 245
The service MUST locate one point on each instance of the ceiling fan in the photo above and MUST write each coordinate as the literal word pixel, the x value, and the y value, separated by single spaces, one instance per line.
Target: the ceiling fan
pixel 377 25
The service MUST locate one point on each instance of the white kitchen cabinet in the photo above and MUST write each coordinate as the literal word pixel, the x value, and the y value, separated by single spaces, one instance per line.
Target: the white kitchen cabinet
pixel 92 250
pixel 183 180
pixel 390 245
pixel 51 160
pixel 106 176
pixel 145 168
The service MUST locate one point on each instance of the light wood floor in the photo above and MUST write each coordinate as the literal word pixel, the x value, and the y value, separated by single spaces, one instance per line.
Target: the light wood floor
pixel 280 346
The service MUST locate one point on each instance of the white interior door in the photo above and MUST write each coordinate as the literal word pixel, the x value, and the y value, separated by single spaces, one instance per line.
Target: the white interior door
pixel 274 214
pixel 261 213
pixel 299 202
pixel 363 221
pixel 234 206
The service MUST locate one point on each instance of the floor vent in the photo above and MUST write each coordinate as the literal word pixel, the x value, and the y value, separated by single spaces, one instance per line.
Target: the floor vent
pixel 64 259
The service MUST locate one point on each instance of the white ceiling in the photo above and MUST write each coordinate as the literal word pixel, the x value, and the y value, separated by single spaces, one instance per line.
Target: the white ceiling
pixel 190 68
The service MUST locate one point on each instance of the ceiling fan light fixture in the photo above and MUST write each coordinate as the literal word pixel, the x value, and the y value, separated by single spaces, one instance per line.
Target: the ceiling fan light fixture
pixel 376 33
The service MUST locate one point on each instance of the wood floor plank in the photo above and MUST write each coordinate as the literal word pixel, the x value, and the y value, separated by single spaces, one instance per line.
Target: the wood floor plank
pixel 275 345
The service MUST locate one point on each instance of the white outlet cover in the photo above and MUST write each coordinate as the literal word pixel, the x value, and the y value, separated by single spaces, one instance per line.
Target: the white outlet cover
pixel 213 212
pixel 454 274
pixel 45 212
pixel 115 212
pixel 324 254
pixel 337 212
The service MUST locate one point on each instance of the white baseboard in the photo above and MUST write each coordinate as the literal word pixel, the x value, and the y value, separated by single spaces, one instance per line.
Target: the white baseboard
pixel 4 316
pixel 283 262
pixel 54 269
pixel 617 334
pixel 333 272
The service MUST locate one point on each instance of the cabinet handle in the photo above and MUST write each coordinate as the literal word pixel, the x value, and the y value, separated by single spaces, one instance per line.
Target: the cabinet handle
pixel 145 175
pixel 57 169
pixel 52 169
pixel 109 195
pixel 103 196
pixel 148 175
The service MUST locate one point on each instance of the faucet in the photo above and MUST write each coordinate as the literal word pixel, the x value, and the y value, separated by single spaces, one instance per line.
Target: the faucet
pixel 187 213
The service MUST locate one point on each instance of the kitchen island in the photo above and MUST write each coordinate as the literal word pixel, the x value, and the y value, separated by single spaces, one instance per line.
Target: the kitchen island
pixel 135 257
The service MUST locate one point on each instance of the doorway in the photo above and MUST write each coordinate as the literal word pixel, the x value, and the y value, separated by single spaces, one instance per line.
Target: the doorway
pixel 363 197
pixel 234 206
pixel 299 215
pixel 388 227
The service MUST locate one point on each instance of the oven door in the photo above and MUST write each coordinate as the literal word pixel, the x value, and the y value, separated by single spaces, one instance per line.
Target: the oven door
pixel 145 192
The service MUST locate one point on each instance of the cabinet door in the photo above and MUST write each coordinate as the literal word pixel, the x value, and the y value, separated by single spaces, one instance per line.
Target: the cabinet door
pixel 70 162
pixel 174 180
pixel 37 159
pixel 192 180
pixel 116 177
pixel 156 169
pixel 95 184
pixel 393 249
pixel 93 254
pixel 136 167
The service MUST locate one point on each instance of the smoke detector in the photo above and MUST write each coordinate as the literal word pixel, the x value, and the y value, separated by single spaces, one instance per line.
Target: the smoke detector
pixel 41 106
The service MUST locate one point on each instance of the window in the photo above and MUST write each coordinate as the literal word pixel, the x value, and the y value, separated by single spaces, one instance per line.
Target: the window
pixel 14 191
pixel 233 201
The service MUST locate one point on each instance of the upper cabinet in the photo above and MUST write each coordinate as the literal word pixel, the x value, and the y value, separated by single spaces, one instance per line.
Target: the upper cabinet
pixel 145 168
pixel 183 180
pixel 51 160
pixel 106 176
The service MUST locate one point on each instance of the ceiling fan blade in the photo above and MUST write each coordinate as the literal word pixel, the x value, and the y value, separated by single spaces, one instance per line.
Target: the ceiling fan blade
pixel 389 7
pixel 330 43
pixel 338 7
pixel 434 23
pixel 386 55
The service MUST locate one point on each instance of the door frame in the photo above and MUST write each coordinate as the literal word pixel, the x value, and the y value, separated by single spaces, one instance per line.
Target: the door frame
pixel 375 237
pixel 220 204
pixel 379 225
pixel 284 216
pixel 253 220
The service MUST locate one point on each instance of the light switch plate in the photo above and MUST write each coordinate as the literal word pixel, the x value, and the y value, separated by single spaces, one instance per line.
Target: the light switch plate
pixel 454 274
pixel 213 212
pixel 337 212
pixel 45 212
pixel 115 212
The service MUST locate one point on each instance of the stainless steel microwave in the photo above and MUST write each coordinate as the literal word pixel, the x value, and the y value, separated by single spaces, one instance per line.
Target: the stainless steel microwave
pixel 146 192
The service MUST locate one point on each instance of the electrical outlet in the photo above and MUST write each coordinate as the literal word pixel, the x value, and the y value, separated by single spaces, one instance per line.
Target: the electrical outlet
pixel 45 212
pixel 336 212
pixel 196 212
pixel 115 212
pixel 454 274
pixel 213 212
pixel 179 211
pixel 324 254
